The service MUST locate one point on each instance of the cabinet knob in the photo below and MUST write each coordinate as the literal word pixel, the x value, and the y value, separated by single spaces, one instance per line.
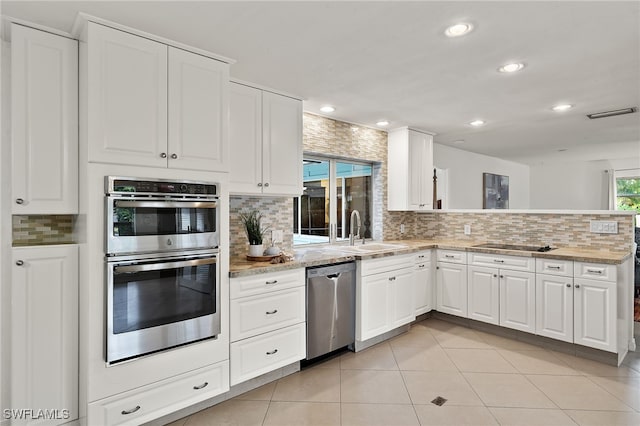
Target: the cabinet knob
pixel 259 183
pixel 163 155
pixel 19 262
pixel 437 267
pixel 577 285
pixel 495 275
pixel 19 201
pixel 174 156
pixel 501 276
pixel 133 410
pixel 568 285
pixel 266 184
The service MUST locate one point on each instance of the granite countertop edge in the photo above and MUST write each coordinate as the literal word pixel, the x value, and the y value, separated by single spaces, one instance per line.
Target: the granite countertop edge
pixel 240 267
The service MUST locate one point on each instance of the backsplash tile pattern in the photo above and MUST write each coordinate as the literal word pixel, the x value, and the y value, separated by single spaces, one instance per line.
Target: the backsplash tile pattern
pixel 559 230
pixel 34 230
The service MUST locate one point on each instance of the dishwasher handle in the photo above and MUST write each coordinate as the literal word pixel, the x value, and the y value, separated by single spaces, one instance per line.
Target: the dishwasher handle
pixel 332 276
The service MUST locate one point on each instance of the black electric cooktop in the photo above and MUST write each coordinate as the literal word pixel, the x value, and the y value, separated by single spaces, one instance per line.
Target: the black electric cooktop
pixel 514 247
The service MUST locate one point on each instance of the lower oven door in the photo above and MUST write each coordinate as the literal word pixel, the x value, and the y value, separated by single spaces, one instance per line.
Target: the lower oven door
pixel 158 303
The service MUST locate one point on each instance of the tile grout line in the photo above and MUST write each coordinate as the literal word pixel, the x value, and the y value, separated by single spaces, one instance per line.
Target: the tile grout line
pixel 404 383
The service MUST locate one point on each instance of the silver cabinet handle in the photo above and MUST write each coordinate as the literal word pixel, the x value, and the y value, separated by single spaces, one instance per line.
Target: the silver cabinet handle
pixel 553 267
pixel 133 410
pixel 568 285
pixel 19 201
pixel 271 282
pixel 174 156
pixel 449 256
pixel 392 278
pixel 259 183
pixel 202 386
pixel 19 262
pixel 498 261
pixel 275 311
pixel 163 155
pixel 421 256
pixel 421 266
pixel 266 184
pixel 272 352
pixel 594 271
pixel 577 285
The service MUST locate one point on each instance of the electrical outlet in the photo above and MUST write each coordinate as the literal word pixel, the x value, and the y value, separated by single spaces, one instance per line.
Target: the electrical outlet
pixel 467 230
pixel 402 228
pixel 603 227
pixel 276 236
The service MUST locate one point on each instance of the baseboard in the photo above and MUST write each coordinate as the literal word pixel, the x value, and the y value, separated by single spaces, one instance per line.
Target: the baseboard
pixel 359 346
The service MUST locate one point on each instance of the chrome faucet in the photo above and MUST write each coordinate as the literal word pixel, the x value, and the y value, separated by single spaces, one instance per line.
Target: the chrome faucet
pixel 351 226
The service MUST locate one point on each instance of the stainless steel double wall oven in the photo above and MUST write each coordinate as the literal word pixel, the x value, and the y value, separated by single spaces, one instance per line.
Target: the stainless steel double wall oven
pixel 163 283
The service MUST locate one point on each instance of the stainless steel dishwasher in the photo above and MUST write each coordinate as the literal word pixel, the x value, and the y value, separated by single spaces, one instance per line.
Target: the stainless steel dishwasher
pixel 331 308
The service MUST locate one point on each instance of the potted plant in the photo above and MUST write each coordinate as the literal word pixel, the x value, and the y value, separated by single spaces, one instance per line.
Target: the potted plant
pixel 253 229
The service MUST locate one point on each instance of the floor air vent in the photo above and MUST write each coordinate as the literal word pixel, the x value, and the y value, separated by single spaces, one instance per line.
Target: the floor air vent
pixel 612 113
pixel 439 401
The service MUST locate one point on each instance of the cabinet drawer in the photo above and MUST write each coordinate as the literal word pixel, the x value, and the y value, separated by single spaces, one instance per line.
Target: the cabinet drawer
pixel 263 283
pixel 422 257
pixel 261 313
pixel 153 401
pixel 267 352
pixel 384 264
pixel 452 256
pixel 514 263
pixel 594 271
pixel 562 268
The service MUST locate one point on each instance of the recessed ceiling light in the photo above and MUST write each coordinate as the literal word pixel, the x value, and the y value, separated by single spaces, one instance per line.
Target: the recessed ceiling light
pixel 382 123
pixel 562 107
pixel 477 123
pixel 458 30
pixel 327 108
pixel 511 67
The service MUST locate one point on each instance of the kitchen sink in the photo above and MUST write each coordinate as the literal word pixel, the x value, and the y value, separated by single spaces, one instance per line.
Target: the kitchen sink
pixel 514 247
pixel 370 248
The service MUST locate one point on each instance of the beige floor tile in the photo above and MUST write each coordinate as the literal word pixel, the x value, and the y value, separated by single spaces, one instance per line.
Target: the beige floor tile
pixel 232 412
pixel 499 342
pixel 373 386
pixel 378 415
pixel 537 362
pixel 378 357
pixel 480 361
pixel 454 416
pixel 179 422
pixel 424 386
pixel 319 385
pixel 263 393
pixel 626 389
pixel 462 338
pixel 507 390
pixel 531 417
pixel 632 359
pixel 416 336
pixel 303 414
pixel 605 418
pixel 577 393
pixel 423 359
pixel 441 326
pixel 594 368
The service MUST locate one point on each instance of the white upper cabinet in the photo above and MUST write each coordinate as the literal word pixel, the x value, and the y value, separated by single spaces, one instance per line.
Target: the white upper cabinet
pixel 153 105
pixel 265 136
pixel 410 162
pixel 44 121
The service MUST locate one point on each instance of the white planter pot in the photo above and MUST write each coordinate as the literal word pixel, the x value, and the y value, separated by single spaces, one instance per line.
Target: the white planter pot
pixel 256 250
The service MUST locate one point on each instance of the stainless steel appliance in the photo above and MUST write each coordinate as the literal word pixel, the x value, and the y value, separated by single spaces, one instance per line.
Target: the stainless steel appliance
pixel 163 280
pixel 331 295
pixel 150 215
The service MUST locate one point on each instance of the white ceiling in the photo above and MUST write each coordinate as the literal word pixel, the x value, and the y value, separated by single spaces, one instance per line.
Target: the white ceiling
pixel 390 60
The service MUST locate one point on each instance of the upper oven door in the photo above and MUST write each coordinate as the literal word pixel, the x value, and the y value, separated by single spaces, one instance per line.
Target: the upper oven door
pixel 150 224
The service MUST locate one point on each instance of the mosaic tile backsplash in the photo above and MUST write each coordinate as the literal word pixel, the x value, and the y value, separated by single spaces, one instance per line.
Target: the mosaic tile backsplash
pixel 37 230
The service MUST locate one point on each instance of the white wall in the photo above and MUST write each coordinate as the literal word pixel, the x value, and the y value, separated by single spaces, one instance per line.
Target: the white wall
pixel 465 177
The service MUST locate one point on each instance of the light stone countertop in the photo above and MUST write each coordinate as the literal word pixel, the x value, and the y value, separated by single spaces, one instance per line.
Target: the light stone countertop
pixel 328 254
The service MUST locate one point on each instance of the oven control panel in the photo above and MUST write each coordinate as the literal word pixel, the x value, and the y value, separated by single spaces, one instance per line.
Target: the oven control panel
pixel 117 185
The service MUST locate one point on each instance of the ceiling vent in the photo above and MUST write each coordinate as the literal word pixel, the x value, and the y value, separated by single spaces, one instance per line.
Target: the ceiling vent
pixel 612 113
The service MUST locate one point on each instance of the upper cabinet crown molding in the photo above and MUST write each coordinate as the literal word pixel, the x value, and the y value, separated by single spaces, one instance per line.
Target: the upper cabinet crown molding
pixel 44 122
pixel 79 30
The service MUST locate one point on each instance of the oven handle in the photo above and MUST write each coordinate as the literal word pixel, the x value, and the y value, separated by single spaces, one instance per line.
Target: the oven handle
pixel 167 204
pixel 164 265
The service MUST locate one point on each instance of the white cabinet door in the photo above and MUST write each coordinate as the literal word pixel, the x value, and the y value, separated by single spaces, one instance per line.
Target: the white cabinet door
pixel 44 121
pixel 127 98
pixel 401 295
pixel 245 139
pixel 44 337
pixel 197 112
pixel 554 307
pixel 595 313
pixel 483 294
pixel 374 301
pixel 451 283
pixel 423 288
pixel 282 145
pixel 420 171
pixel 517 300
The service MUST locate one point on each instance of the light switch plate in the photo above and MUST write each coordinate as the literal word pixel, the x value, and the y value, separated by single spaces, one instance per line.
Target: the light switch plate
pixel 467 230
pixel 603 226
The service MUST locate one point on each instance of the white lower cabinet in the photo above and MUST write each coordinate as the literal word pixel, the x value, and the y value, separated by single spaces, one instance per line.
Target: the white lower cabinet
pixel 44 331
pixel 595 314
pixel 268 329
pixel 518 300
pixel 385 299
pixel 483 294
pixel 554 307
pixel 157 400
pixel 451 288
pixel 423 282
